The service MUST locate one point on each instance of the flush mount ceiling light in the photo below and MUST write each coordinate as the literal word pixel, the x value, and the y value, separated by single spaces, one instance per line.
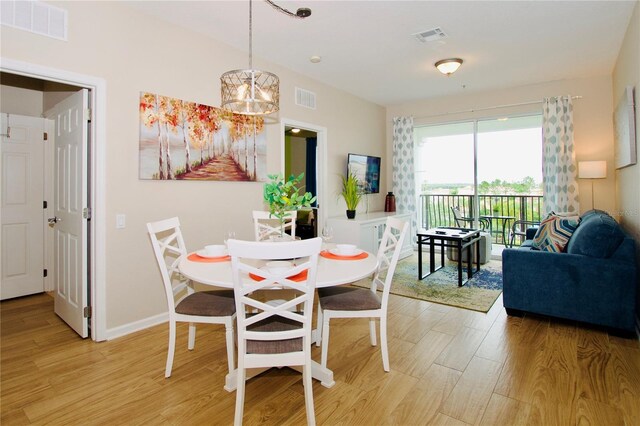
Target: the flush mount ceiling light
pixel 250 91
pixel 448 66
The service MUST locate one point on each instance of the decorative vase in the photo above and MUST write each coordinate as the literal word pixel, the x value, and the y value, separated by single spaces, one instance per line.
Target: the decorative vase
pixel 390 202
pixel 351 214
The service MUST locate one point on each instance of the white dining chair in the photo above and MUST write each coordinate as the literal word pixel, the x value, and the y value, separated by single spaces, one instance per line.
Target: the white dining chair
pixel 271 335
pixel 184 303
pixel 266 226
pixel 355 302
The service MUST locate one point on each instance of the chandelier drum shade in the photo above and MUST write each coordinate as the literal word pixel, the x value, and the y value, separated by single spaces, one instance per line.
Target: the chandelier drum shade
pixel 250 91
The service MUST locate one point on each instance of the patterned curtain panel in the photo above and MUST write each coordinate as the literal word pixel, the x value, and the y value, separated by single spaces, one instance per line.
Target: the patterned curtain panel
pixel 404 186
pixel 560 189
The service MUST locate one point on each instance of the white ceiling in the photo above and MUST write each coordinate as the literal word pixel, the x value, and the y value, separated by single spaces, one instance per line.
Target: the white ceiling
pixel 368 48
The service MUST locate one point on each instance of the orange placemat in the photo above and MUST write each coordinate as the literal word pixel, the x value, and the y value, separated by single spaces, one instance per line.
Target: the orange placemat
pixel 297 277
pixel 195 258
pixel 329 255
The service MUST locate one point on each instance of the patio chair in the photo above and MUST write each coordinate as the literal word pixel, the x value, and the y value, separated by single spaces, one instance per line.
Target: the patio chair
pixel 519 229
pixel 271 335
pixel 184 303
pixel 356 302
pixel 467 222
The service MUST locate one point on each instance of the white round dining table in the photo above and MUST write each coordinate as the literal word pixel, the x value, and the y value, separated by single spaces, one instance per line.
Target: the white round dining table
pixel 331 272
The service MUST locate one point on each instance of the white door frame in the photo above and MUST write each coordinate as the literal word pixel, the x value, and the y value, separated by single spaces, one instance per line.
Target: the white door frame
pixel 321 171
pixel 97 143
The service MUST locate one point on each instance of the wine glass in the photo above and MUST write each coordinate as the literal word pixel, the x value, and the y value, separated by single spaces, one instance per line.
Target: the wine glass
pixel 231 235
pixel 327 233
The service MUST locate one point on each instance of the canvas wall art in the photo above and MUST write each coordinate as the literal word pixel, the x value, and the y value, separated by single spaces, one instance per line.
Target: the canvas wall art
pixel 624 122
pixel 182 140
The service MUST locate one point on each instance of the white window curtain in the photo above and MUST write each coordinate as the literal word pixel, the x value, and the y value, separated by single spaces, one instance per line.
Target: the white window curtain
pixel 560 189
pixel 403 168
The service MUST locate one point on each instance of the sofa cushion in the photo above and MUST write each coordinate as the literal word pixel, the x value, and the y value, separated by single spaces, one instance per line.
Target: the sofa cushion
pixel 598 235
pixel 554 233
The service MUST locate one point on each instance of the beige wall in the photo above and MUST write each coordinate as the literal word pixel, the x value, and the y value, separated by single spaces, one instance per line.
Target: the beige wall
pixel 593 128
pixel 627 73
pixel 298 155
pixel 135 53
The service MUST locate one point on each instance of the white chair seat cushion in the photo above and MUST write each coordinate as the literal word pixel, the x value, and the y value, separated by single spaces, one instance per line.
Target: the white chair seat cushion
pixel 218 303
pixel 273 324
pixel 348 299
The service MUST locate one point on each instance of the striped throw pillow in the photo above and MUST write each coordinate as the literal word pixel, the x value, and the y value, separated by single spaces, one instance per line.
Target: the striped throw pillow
pixel 554 232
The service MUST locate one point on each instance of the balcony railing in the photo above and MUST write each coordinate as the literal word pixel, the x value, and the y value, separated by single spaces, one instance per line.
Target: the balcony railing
pixel 436 211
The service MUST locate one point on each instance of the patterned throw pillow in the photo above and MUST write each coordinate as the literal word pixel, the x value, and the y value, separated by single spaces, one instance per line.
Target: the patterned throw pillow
pixel 554 232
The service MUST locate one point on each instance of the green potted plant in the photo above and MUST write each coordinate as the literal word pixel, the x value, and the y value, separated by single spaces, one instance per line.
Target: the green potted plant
pixel 284 196
pixel 351 194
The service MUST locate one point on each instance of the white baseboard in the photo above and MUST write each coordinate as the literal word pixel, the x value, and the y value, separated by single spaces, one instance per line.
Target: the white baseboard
pixel 132 327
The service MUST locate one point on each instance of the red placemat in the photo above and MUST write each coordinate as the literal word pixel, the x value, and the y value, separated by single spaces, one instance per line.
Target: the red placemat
pixel 329 255
pixel 297 277
pixel 195 258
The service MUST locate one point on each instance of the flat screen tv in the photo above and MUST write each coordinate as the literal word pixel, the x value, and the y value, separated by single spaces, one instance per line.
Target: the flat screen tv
pixel 366 168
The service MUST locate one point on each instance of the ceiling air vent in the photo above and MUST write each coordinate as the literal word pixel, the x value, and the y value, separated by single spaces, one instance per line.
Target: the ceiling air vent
pixel 305 98
pixel 430 35
pixel 34 16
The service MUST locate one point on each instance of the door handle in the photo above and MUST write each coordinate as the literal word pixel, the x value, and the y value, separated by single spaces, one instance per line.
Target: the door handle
pixel 53 220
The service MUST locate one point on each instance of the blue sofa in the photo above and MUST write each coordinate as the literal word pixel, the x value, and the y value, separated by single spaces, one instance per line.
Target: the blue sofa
pixel 593 281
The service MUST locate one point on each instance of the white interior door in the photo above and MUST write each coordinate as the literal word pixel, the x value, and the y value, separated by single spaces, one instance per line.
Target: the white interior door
pixel 70 199
pixel 22 209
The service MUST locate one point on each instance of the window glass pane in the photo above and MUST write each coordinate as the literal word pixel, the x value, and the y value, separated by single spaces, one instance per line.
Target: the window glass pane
pixel 444 172
pixel 509 172
pixel 444 158
pixel 510 151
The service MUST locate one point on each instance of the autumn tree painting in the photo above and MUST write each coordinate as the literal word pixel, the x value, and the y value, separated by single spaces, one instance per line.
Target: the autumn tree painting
pixel 189 141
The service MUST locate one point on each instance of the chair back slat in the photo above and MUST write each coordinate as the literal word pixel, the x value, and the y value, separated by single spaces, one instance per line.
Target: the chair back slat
pixel 248 257
pixel 388 254
pixel 168 247
pixel 264 228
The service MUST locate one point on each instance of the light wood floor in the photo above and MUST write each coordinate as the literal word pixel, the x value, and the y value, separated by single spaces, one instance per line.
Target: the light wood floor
pixel 449 366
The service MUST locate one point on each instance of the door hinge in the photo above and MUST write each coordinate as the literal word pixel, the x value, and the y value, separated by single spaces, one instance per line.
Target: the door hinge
pixel 44 273
pixel 44 204
pixel 87 114
pixel 87 312
pixel 46 136
pixel 86 213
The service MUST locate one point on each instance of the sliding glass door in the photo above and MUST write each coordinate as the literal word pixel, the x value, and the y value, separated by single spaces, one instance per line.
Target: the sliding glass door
pixel 490 171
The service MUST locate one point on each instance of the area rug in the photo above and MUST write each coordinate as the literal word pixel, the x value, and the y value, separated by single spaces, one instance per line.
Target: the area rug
pixel 478 294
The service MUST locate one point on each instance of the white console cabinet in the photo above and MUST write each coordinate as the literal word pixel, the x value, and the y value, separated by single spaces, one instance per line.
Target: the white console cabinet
pixel 366 231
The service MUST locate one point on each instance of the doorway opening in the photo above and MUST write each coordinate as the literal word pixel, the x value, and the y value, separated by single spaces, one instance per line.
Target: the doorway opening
pixel 304 149
pixel 59 84
pixel 300 156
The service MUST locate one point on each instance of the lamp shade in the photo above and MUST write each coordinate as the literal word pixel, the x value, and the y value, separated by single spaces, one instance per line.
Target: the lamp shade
pixel 592 169
pixel 250 92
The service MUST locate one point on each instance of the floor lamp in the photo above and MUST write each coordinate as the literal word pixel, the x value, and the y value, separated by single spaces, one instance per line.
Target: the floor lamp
pixel 592 170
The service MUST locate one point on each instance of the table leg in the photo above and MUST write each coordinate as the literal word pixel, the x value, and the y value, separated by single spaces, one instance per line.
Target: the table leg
pixel 318 372
pixel 441 253
pixel 469 261
pixel 432 257
pixel 478 255
pixel 460 262
pixel 419 258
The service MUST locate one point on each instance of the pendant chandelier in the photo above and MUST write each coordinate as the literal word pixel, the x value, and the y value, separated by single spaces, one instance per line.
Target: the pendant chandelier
pixel 250 91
